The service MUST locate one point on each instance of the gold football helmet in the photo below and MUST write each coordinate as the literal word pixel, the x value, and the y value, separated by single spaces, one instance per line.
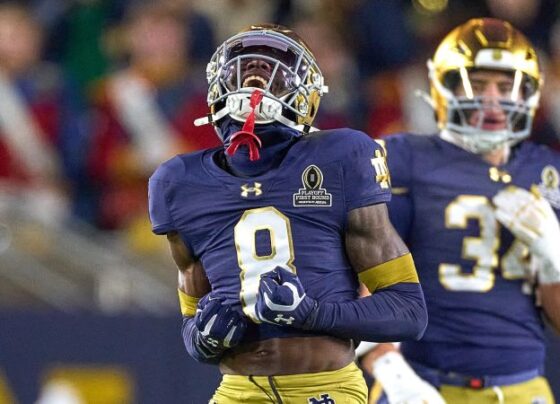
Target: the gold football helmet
pixel 481 45
pixel 275 60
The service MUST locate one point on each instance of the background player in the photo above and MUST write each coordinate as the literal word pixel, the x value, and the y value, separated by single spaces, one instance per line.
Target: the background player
pixel 477 207
pixel 241 219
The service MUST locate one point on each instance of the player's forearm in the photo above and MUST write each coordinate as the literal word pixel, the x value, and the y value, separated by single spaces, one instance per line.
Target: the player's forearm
pixel 395 313
pixel 190 332
pixel 550 300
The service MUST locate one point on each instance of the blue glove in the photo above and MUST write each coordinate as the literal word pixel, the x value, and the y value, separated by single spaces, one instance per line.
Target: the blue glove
pixel 219 326
pixel 282 300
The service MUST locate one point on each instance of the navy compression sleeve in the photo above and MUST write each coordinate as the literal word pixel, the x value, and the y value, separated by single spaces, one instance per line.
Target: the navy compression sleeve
pixel 394 313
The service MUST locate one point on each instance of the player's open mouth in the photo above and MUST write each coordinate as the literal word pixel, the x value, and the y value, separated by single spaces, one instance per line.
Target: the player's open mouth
pixel 493 124
pixel 255 81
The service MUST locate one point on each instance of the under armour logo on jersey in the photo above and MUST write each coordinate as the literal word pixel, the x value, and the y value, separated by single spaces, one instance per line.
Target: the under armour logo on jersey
pixel 246 190
pixel 325 399
pixel 379 163
pixel 281 319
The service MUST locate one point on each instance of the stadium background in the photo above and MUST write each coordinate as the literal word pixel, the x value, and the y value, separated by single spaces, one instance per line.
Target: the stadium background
pixel 88 310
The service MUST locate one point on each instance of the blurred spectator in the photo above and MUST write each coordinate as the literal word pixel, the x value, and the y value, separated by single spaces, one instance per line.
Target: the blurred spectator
pixel 84 35
pixel 520 13
pixel 230 16
pixel 339 69
pixel 397 102
pixel 533 17
pixel 144 115
pixel 380 36
pixel 40 137
pixel 200 33
pixel 385 100
pixel 76 29
pixel 551 92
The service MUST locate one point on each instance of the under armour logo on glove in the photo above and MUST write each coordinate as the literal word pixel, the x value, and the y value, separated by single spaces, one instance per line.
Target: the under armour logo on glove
pixel 280 319
pixel 213 342
pixel 282 299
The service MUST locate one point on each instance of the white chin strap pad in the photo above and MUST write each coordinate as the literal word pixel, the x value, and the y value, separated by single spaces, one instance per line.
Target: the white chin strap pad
pixel 239 108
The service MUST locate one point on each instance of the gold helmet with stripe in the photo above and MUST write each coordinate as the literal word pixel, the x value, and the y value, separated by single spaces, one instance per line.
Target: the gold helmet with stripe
pixel 273 59
pixel 484 44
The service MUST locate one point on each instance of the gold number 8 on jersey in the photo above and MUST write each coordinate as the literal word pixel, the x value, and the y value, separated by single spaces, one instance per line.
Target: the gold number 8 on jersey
pixel 253 265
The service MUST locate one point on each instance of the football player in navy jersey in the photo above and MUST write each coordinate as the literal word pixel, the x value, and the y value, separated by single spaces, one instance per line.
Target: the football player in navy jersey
pixel 477 206
pixel 273 232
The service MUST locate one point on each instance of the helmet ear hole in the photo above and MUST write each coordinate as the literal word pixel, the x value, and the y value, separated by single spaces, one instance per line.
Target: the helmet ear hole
pixel 451 80
pixel 313 112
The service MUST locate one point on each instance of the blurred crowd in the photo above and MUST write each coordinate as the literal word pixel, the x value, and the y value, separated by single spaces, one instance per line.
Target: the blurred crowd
pixel 94 94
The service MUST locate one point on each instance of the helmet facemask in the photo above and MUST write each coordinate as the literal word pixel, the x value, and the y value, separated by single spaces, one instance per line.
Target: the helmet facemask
pixel 481 53
pixel 481 123
pixel 272 62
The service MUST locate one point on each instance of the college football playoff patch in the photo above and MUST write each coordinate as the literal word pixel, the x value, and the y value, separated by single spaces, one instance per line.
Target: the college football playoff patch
pixel 312 195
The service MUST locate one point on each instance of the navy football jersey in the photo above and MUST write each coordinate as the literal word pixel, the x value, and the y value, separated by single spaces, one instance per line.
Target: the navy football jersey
pixel 482 315
pixel 293 216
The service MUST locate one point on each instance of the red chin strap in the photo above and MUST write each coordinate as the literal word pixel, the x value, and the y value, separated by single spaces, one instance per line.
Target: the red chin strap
pixel 246 137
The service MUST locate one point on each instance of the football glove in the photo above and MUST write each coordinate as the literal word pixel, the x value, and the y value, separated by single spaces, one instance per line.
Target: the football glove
pixel 220 326
pixel 281 299
pixel 532 220
pixel 401 384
